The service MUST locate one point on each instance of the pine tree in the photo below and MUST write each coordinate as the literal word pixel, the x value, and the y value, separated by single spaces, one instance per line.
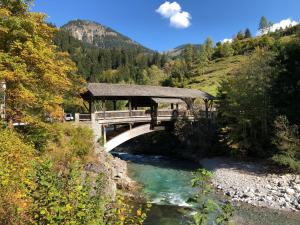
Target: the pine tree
pixel 263 25
pixel 188 55
pixel 248 33
pixel 240 35
pixel 208 48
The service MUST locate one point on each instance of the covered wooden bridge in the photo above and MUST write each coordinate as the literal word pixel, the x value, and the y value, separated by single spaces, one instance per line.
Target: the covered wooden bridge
pixel 151 107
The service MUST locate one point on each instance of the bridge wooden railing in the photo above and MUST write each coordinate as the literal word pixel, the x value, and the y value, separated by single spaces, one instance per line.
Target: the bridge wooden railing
pixel 135 115
pixel 121 114
pixel 84 117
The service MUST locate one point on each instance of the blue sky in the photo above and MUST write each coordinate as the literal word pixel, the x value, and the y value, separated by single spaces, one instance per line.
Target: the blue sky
pixel 192 20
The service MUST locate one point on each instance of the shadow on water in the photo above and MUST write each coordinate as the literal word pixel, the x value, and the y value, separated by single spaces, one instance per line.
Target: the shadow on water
pixel 158 160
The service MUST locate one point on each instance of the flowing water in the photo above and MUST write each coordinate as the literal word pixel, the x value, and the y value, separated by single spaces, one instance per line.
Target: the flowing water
pixel 166 183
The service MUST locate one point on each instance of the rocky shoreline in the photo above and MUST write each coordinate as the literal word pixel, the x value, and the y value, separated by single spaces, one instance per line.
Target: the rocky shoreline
pixel 114 171
pixel 251 183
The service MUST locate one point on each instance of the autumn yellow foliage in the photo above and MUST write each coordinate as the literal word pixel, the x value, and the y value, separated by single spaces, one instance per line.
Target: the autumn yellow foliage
pixel 37 76
pixel 15 166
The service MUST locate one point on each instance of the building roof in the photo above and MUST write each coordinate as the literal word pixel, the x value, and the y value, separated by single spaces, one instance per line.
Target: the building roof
pixel 131 90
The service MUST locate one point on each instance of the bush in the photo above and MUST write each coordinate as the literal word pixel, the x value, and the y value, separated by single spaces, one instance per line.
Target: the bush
pixel 68 198
pixel 69 143
pixel 209 211
pixel 38 136
pixel 199 136
pixel 287 141
pixel 15 165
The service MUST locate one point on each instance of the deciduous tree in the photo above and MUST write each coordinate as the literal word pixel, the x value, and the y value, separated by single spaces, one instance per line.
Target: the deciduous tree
pixel 36 74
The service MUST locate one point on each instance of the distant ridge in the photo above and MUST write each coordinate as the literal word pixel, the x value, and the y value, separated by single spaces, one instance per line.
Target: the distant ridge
pixel 179 49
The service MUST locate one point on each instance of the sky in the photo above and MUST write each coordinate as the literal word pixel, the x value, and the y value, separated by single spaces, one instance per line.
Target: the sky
pixel 163 25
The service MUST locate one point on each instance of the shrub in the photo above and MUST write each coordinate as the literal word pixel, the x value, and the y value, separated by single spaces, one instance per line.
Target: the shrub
pixel 81 141
pixel 199 136
pixel 15 164
pixel 69 143
pixel 38 136
pixel 287 141
pixel 68 198
pixel 121 213
pixel 208 210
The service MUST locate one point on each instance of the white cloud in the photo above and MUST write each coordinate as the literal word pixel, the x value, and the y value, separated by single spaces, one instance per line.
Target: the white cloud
pixel 180 20
pixel 229 40
pixel 172 11
pixel 169 9
pixel 282 24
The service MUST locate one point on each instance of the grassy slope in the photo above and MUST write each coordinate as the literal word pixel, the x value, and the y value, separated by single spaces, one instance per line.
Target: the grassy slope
pixel 215 72
pixel 220 69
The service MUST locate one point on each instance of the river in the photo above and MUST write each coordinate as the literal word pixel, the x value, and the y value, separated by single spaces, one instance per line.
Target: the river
pixel 166 183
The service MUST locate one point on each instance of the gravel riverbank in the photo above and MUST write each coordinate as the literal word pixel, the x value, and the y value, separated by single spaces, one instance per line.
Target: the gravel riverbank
pixel 251 183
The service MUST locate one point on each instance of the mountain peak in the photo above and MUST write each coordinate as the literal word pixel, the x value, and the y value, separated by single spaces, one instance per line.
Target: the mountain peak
pixel 99 35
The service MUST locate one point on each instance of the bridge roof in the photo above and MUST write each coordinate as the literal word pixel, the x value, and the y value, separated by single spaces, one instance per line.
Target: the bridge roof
pixel 132 90
pixel 168 100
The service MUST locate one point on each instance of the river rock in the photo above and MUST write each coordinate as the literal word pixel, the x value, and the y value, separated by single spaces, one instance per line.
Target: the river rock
pixel 248 182
pixel 268 186
pixel 290 191
pixel 297 188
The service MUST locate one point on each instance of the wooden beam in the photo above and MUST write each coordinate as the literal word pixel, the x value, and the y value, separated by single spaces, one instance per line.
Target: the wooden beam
pixel 104 107
pixel 90 106
pixel 86 107
pixel 115 105
pixel 206 102
pixel 129 107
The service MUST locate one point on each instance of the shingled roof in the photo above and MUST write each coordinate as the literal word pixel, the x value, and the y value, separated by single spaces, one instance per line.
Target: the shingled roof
pixel 131 90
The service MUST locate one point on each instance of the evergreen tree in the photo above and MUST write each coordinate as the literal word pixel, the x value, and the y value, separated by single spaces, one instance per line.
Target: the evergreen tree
pixel 208 48
pixel 188 55
pixel 248 114
pixel 226 50
pixel 248 33
pixel 240 35
pixel 263 25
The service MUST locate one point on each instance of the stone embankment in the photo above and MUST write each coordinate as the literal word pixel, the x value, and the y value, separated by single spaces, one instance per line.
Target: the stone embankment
pixel 252 184
pixel 114 171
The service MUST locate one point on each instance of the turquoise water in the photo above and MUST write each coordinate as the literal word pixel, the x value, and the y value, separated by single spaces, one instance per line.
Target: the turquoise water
pixel 167 184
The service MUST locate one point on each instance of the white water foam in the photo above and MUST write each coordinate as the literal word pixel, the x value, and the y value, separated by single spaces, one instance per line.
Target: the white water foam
pixel 171 199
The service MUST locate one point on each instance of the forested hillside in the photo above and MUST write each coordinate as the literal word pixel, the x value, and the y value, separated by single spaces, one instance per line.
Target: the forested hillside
pixel 114 64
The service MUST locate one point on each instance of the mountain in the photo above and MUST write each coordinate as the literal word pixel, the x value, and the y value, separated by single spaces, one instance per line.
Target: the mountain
pixel 100 36
pixel 104 55
pixel 179 49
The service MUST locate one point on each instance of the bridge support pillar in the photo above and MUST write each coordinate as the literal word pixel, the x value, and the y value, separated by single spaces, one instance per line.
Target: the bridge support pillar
pixel 76 117
pixel 96 127
pixel 104 134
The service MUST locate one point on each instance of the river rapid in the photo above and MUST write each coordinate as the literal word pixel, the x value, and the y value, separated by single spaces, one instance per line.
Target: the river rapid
pixel 166 183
